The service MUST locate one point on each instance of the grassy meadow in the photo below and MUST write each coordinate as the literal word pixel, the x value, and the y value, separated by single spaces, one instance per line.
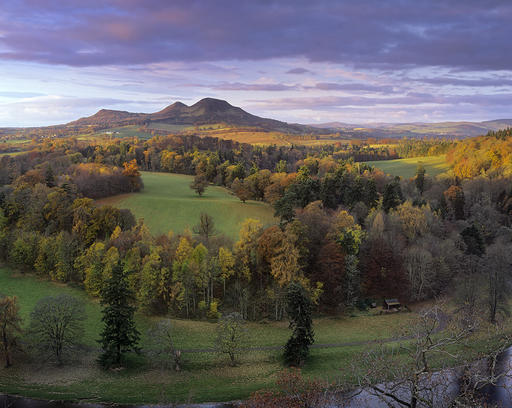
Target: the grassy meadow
pixel 205 376
pixel 406 168
pixel 167 203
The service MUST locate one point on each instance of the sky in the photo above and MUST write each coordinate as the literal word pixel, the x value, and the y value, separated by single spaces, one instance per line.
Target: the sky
pixel 313 61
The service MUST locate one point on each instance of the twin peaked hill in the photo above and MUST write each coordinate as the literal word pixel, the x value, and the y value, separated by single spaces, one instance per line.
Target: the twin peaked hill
pixel 210 111
pixel 207 111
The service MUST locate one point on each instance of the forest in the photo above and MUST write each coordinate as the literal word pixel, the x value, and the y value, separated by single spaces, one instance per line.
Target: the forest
pixel 349 233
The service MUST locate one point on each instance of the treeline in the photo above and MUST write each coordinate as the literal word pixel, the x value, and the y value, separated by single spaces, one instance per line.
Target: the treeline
pixel 423 147
pixel 489 155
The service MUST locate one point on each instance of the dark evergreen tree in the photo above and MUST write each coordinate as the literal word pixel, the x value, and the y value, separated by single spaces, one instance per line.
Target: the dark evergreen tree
pixel 119 334
pixel 473 240
pixel 49 177
pixel 299 312
pixel 420 179
pixel 392 195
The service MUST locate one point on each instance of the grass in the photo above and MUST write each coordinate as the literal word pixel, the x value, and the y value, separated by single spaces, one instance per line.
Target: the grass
pixel 406 168
pixel 125 131
pixel 13 153
pixel 205 376
pixel 167 203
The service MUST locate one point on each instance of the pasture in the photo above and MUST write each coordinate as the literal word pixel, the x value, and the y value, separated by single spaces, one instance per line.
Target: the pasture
pixel 406 168
pixel 167 203
pixel 206 376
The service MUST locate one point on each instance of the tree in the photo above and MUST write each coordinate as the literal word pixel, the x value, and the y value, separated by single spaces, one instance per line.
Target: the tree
pixel 119 334
pixel 56 324
pixel 299 311
pixel 231 336
pixel 199 184
pixel 131 170
pixel 227 265
pixel 497 264
pixel 241 190
pixel 473 240
pixel 206 228
pixel 392 195
pixel 455 199
pixel 416 373
pixel 419 180
pixel 10 326
pixel 330 269
pixel 161 345
pixel 49 177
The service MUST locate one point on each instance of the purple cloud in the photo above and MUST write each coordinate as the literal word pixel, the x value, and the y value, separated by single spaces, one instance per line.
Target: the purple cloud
pixel 329 86
pixel 298 71
pixel 467 34
pixel 237 86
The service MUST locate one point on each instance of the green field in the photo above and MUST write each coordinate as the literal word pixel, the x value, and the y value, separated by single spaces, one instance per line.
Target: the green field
pixel 125 131
pixel 205 376
pixel 167 203
pixel 406 168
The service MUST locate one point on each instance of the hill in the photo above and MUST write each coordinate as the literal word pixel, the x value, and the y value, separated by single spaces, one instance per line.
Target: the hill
pixel 167 203
pixel 207 111
pixel 418 129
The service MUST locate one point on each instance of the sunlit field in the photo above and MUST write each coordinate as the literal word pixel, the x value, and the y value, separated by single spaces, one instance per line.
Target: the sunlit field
pixel 167 203
pixel 434 165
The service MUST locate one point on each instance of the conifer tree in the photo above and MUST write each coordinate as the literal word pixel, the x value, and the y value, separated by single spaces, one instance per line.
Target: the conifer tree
pixel 299 311
pixel 119 334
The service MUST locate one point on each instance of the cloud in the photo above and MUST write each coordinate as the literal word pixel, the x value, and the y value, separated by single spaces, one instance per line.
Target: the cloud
pixel 298 71
pixel 237 86
pixel 54 109
pixel 19 95
pixel 468 34
pixel 480 82
pixel 410 99
pixel 329 86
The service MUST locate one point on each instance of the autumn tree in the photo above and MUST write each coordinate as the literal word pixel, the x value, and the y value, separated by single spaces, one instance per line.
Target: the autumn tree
pixel 131 170
pixel 454 197
pixel 199 184
pixel 241 190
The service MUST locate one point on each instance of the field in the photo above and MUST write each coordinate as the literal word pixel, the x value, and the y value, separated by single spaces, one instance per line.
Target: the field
pixel 125 131
pixel 167 203
pixel 406 168
pixel 205 376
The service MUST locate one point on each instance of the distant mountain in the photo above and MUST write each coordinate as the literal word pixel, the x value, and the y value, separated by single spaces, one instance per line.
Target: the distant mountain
pixel 417 129
pixel 207 111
